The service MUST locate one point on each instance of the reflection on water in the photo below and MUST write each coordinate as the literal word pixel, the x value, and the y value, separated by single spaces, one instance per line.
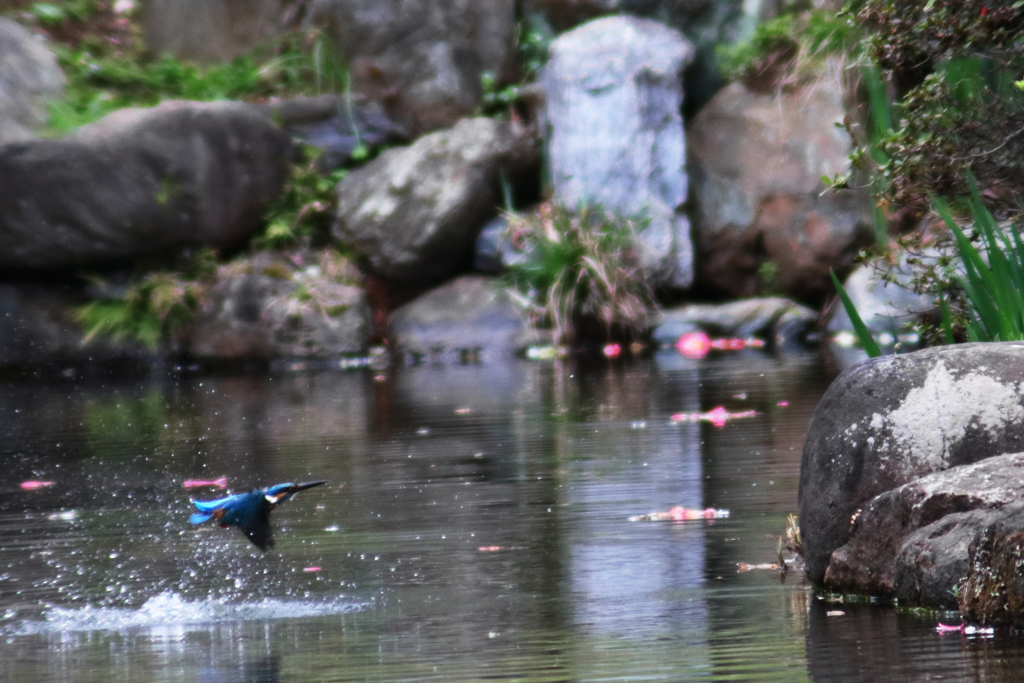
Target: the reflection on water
pixel 475 525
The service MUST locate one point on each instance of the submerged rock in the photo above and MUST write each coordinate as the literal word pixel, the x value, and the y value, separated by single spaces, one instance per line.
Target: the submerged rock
pixel 615 133
pixel 470 319
pixel 30 79
pixel 763 219
pixel 140 182
pixel 892 419
pixel 414 212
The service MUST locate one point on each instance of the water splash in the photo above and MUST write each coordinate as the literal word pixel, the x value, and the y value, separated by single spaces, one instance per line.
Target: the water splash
pixel 169 610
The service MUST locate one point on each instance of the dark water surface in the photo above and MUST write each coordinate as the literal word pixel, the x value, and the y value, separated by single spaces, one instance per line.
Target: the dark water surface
pixel 475 527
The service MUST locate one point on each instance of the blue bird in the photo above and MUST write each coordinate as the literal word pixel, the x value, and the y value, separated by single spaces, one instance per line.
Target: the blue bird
pixel 250 511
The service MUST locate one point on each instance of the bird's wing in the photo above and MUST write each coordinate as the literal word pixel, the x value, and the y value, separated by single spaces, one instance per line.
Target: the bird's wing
pixel 207 508
pixel 257 529
pixel 200 517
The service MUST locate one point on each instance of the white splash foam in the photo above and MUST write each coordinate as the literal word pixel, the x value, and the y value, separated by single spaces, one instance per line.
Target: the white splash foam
pixel 171 611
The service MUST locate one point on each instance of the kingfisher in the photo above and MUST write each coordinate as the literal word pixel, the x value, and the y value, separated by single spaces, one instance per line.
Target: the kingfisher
pixel 250 511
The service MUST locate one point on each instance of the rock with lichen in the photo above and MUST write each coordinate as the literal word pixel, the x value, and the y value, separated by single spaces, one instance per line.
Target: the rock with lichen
pixel 282 306
pixel 893 419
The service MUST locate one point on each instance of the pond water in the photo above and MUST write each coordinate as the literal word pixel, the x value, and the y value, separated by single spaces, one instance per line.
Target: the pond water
pixel 475 527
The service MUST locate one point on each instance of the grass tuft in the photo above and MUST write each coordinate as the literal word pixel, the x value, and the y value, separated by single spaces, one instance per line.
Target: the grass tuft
pixel 582 274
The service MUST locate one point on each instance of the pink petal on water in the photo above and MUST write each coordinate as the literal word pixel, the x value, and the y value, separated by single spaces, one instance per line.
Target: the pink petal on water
pixel 693 344
pixel 944 628
pixel 717 416
pixel 311 569
pixel 34 485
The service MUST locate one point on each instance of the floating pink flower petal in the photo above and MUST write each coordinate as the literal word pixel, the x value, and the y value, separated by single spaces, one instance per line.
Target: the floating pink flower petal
pixel 35 485
pixel 944 628
pixel 698 344
pixel 612 350
pixel 311 569
pixel 680 514
pixel 221 483
pixel 717 416
pixel 782 404
pixel 693 344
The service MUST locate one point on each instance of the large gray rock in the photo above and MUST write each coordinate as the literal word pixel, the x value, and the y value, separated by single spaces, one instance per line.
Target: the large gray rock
pixel 39 328
pixel 471 318
pixel 209 30
pixel 615 132
pixel 912 542
pixel 756 164
pixel 892 419
pixel 422 59
pixel 140 182
pixel 413 213
pixel 30 79
pixel 270 307
pixel 992 593
pixel 776 320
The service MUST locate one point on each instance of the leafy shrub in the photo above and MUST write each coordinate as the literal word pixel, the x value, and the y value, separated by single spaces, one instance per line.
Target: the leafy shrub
pixel 992 277
pixel 952 65
pixel 788 49
pixel 305 208
pixel 582 274
pixel 155 309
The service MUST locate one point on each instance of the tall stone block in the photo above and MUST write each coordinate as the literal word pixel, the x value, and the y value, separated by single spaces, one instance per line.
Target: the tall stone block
pixel 30 79
pixel 615 132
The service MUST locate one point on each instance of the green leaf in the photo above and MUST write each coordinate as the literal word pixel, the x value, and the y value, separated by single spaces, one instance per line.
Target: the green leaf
pixel 867 341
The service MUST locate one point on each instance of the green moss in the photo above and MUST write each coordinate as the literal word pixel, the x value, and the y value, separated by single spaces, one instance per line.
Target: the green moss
pixel 153 310
pixel 791 46
pixel 108 68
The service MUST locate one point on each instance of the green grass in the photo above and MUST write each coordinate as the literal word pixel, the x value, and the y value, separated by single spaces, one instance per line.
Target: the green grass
pixel 104 58
pixel 304 210
pixel 582 275
pixel 992 277
pixel 154 310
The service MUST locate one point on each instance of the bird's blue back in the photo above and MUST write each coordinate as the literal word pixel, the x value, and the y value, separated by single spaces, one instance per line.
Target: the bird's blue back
pixel 238 509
